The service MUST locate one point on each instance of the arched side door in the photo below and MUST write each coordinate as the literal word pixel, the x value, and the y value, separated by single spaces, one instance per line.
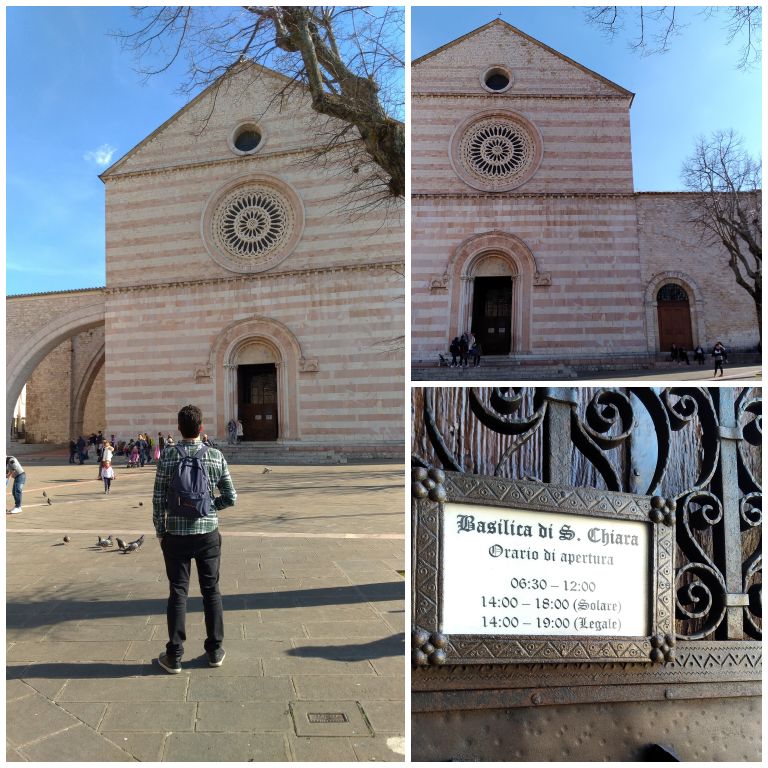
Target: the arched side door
pixel 674 313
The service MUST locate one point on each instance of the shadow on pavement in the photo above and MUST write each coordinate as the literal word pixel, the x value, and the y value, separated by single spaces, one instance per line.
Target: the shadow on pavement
pixel 71 608
pixel 377 649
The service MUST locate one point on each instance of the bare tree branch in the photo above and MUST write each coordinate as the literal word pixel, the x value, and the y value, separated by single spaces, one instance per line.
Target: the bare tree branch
pixel 656 27
pixel 727 206
pixel 349 58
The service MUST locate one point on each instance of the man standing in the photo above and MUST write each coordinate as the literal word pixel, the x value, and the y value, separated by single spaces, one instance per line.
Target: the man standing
pixel 187 526
pixel 14 470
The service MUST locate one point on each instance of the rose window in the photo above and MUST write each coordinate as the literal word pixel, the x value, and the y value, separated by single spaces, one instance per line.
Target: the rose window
pixel 497 150
pixel 252 222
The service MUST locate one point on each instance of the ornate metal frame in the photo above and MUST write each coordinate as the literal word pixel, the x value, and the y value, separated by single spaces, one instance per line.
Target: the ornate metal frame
pixel 432 489
pixel 626 440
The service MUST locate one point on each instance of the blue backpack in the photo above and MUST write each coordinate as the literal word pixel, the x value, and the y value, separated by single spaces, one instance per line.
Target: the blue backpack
pixel 189 494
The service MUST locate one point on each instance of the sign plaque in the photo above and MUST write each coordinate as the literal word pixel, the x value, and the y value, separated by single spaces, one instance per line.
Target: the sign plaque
pixel 519 571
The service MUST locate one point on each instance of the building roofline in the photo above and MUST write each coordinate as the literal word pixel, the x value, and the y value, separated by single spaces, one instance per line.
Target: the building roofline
pixel 215 84
pixel 533 40
pixel 98 289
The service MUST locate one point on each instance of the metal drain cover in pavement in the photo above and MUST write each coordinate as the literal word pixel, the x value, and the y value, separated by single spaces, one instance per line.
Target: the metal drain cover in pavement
pixel 329 718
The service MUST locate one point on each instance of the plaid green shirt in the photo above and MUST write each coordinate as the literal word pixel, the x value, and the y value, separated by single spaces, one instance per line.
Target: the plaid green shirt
pixel 218 477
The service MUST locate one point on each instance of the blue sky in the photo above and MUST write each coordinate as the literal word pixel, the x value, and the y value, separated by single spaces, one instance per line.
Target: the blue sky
pixel 693 89
pixel 74 105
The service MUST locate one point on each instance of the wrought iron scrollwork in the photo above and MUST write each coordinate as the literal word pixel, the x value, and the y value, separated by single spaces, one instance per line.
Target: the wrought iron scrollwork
pixel 698 447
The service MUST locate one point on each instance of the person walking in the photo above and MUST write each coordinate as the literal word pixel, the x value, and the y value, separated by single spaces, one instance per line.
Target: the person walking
pixel 14 470
pixel 239 431
pixel 698 355
pixel 107 475
pixel 185 515
pixel 454 350
pixel 231 432
pixel 72 451
pixel 718 352
pixel 81 449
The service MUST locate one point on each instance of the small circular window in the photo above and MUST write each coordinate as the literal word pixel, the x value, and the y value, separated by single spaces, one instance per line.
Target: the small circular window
pixel 497 79
pixel 246 139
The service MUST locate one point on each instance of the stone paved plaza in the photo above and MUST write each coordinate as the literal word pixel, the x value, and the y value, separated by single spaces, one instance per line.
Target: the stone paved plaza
pixel 312 578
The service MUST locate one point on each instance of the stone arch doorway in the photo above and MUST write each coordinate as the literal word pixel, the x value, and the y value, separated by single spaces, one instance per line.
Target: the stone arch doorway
pixel 674 317
pixel 664 290
pixel 257 394
pixel 492 315
pixel 492 277
pixel 256 362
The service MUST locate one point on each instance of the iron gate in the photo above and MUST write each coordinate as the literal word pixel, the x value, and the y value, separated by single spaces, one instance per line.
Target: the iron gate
pixel 701 448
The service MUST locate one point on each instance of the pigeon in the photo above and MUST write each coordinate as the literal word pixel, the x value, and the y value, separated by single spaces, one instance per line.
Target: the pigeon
pixel 265 470
pixel 104 543
pixel 133 545
pixel 45 494
pixel 66 539
pixel 120 544
pixel 141 503
pixel 49 500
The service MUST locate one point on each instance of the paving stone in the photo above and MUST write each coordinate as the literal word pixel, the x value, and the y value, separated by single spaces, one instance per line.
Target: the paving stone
pixel 344 687
pixel 328 718
pixel 17 689
pixel 216 688
pixel 73 745
pixel 149 716
pixel 67 651
pixel 90 713
pixel 33 717
pixel 300 666
pixel 321 749
pixel 380 749
pixel 226 747
pixel 389 666
pixel 100 632
pixel 252 716
pixel 385 716
pixel 274 630
pixel 160 687
pixel 48 687
pixel 145 747
pixel 367 628
pixel 12 755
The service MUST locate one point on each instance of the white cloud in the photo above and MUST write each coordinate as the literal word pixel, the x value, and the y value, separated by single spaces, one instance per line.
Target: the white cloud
pixel 101 156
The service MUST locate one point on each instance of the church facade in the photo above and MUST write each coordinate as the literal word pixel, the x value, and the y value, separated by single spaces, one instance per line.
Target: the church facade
pixel 526 229
pixel 242 276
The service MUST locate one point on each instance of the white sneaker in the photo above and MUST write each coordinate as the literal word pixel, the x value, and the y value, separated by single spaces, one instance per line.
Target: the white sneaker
pixel 15 511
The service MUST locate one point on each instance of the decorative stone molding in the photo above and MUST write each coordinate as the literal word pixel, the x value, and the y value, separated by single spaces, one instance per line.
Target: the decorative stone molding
pixel 309 365
pixel 542 279
pixel 496 150
pixel 439 284
pixel 202 373
pixel 395 266
pixel 516 259
pixel 252 223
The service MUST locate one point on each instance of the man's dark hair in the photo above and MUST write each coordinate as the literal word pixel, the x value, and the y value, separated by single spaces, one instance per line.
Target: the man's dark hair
pixel 190 421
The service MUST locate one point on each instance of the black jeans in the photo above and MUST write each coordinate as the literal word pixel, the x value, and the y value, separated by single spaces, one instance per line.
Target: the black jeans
pixel 178 552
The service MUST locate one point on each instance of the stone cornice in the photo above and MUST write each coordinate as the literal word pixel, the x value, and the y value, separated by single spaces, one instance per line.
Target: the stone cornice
pixel 522 195
pixel 69 292
pixel 264 276
pixel 498 102
pixel 253 162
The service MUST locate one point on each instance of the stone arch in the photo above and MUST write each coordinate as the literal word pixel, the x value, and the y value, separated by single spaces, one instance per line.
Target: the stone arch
pixel 696 304
pixel 283 345
pixel 488 254
pixel 82 389
pixel 27 356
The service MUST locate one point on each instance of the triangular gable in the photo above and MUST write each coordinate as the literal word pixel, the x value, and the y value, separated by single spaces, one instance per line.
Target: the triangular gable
pixel 190 106
pixel 500 32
